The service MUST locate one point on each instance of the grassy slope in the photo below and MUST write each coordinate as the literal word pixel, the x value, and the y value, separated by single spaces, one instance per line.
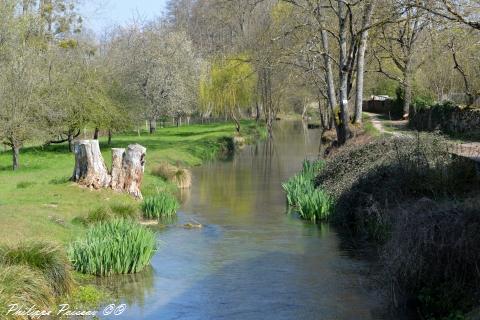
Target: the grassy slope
pixel 25 212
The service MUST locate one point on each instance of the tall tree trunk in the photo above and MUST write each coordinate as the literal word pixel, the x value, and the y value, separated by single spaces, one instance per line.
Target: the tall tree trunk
pixel 152 126
pixel 95 134
pixel 361 62
pixel 70 142
pixel 343 121
pixel 109 137
pixel 237 123
pixel 332 98
pixel 407 88
pixel 16 156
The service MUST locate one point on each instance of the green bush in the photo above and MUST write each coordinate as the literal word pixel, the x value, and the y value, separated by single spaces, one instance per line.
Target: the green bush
pixel 23 285
pixel 311 203
pixel 158 206
pixel 44 257
pixel 114 247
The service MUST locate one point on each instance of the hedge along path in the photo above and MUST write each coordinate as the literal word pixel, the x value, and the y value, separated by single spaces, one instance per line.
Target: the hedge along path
pixel 470 150
pixel 128 167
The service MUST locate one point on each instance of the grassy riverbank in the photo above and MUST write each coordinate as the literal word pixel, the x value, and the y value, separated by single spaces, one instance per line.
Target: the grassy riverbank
pixel 39 202
pixel 42 213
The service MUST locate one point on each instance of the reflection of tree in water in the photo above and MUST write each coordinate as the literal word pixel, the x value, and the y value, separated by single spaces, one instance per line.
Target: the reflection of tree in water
pixel 130 288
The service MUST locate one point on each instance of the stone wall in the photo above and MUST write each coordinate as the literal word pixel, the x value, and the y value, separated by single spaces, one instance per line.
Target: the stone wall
pixel 446 118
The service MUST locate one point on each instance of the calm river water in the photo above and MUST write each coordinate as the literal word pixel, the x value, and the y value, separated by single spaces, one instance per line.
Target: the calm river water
pixel 251 260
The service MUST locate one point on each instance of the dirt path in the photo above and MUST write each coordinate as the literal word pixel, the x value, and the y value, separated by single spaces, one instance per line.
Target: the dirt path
pixel 397 128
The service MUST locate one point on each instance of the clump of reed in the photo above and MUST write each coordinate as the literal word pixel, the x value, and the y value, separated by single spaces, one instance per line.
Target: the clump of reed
pixel 114 247
pixel 24 286
pixel 161 205
pixel 46 258
pixel 311 203
pixel 116 210
pixel 180 176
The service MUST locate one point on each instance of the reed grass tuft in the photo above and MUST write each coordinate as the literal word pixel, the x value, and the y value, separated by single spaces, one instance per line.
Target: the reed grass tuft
pixel 159 206
pixel 44 257
pixel 24 286
pixel 115 247
pixel 311 203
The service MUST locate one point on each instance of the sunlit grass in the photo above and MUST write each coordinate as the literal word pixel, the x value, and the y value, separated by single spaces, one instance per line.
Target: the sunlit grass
pixel 44 188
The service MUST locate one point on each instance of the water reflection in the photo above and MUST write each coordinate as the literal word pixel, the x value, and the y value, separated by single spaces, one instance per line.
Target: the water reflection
pixel 133 289
pixel 251 260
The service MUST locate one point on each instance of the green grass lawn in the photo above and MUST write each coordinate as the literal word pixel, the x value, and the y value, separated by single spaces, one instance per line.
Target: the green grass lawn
pixel 38 201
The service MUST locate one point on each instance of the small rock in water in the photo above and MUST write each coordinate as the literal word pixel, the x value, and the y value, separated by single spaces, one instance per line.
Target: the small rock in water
pixel 192 225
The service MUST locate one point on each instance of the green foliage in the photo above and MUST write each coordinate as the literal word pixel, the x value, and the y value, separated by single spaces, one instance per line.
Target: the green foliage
pixel 312 203
pixel 44 257
pixel 161 205
pixel 228 85
pixel 115 247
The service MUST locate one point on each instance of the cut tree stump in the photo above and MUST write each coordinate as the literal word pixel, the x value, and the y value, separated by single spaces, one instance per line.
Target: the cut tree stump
pixel 90 169
pixel 118 179
pixel 128 166
pixel 133 166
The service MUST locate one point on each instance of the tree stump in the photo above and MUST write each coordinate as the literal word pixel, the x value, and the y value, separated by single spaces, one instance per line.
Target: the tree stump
pixel 128 166
pixel 133 167
pixel 90 169
pixel 118 177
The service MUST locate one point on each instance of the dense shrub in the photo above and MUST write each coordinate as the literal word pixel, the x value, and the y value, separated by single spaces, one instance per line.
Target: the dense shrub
pixel 311 203
pixel 44 257
pixel 115 247
pixel 430 248
pixel 367 180
pixel 432 255
pixel 161 205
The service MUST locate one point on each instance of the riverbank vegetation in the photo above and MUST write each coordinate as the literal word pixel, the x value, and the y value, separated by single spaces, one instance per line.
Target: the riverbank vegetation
pixel 416 204
pixel 113 247
pixel 242 62
pixel 163 205
pixel 311 203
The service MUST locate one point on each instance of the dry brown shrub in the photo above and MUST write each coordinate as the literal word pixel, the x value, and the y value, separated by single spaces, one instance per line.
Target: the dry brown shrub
pixel 180 176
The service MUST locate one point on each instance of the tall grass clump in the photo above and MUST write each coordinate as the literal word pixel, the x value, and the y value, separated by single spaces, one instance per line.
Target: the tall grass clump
pixel 311 203
pixel 114 247
pixel 179 176
pixel 44 257
pixel 24 286
pixel 158 206
pixel 116 210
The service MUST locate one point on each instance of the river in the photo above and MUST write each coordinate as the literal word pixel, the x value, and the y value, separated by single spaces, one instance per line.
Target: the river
pixel 251 260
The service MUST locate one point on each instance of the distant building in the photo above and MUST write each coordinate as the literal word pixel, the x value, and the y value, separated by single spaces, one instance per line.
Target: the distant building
pixel 379 98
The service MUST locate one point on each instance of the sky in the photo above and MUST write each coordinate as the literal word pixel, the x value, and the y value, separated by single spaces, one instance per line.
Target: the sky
pixel 101 14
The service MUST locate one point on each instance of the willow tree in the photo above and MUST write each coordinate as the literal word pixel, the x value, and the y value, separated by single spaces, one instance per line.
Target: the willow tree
pixel 228 87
